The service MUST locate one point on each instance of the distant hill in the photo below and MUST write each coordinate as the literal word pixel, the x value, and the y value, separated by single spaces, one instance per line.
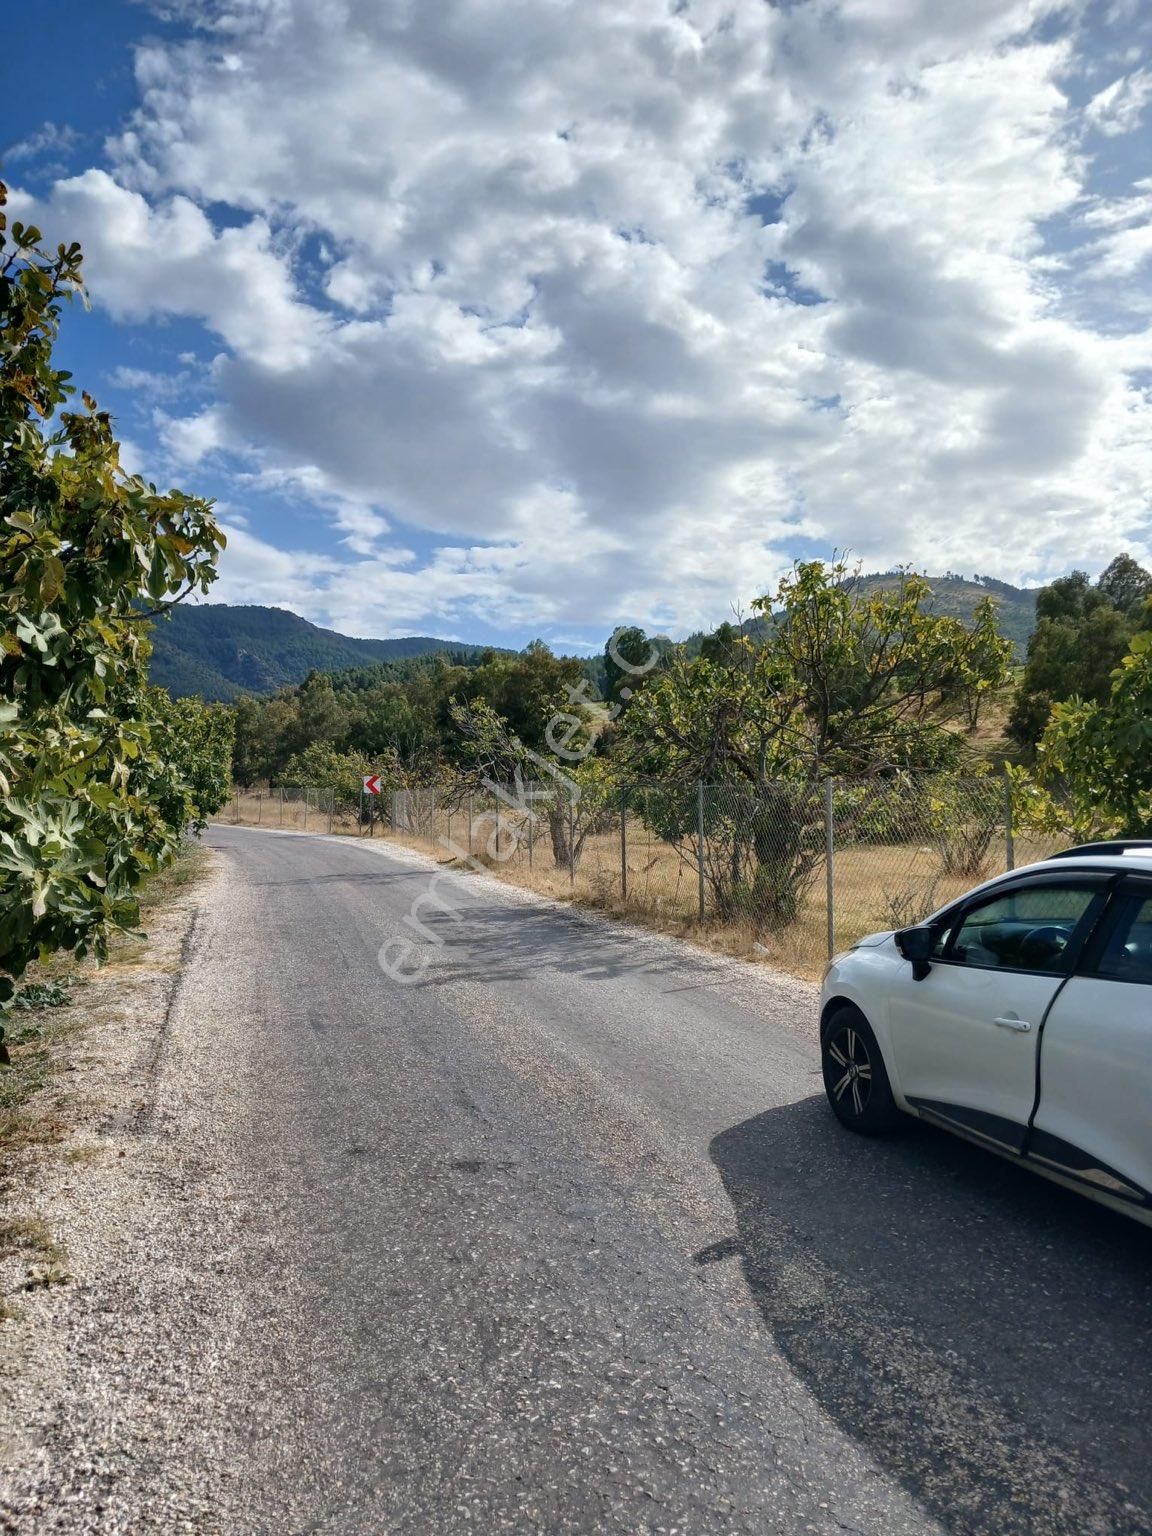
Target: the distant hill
pixel 219 651
pixel 954 595
pixel 959 595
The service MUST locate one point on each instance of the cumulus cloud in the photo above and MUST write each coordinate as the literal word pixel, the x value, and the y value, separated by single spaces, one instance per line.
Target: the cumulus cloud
pixel 619 302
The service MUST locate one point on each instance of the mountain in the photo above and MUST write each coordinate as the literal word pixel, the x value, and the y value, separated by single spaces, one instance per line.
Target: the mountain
pixel 218 650
pixel 958 596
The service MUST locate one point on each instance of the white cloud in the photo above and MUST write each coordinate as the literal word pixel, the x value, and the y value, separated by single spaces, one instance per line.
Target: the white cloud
pixel 1126 244
pixel 1119 107
pixel 144 260
pixel 48 140
pixel 494 276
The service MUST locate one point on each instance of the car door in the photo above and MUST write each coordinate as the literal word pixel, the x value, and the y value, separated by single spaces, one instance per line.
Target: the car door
pixel 964 1041
pixel 1093 1119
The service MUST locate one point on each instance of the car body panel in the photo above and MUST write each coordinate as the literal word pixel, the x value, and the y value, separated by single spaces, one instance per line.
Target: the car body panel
pixel 1069 1097
pixel 1096 1085
pixel 955 1059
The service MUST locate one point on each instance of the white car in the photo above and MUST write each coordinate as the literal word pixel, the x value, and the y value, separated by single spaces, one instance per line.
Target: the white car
pixel 1019 1016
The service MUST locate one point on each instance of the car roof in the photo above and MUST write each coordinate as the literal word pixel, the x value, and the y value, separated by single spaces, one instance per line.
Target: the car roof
pixel 1141 862
pixel 1113 847
pixel 1136 860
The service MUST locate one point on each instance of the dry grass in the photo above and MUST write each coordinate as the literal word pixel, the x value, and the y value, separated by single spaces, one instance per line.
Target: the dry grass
pixel 290 812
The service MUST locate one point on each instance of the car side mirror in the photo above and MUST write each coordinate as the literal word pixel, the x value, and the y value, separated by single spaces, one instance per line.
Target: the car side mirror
pixel 915 944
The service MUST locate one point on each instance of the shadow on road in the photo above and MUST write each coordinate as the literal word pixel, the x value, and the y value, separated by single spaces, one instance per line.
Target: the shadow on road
pixel 516 943
pixel 985 1335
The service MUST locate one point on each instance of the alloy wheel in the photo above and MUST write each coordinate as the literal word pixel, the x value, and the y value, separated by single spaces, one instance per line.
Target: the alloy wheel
pixel 848 1069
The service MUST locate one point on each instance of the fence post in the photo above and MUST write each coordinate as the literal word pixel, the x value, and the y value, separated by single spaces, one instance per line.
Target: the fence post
pixel 280 819
pixel 259 808
pixel 469 823
pixel 305 810
pixel 531 827
pixel 1009 825
pixel 623 845
pixel 700 848
pixel 571 837
pixel 497 823
pixel 830 862
pixel 235 804
pixel 331 809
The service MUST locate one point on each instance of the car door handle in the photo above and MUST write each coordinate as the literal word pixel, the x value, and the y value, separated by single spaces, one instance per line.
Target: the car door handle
pixel 1020 1024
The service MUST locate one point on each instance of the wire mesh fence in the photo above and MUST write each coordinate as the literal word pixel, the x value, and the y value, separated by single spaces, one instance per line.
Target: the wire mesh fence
pixel 791 870
pixel 291 809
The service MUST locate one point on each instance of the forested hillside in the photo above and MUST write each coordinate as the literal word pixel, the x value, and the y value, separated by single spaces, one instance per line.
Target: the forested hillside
pixel 957 597
pixel 950 596
pixel 220 651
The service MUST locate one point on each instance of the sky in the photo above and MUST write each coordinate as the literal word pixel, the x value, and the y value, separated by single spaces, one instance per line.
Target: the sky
pixel 496 319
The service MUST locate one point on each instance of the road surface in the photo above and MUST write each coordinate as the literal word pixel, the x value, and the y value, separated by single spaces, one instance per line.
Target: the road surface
pixel 560 1237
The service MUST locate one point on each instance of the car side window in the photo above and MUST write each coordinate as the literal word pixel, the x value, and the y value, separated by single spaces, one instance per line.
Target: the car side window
pixel 1127 954
pixel 1025 929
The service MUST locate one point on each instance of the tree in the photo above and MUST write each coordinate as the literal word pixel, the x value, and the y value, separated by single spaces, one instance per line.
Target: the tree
pixel 572 799
pixel 191 759
pixel 841 684
pixel 1099 754
pixel 629 659
pixel 321 766
pixel 1082 632
pixel 320 717
pixel 1126 585
pixel 87 554
pixel 539 696
pixel 722 646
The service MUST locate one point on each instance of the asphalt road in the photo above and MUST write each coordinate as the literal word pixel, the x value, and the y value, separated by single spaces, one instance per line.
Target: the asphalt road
pixel 559 1236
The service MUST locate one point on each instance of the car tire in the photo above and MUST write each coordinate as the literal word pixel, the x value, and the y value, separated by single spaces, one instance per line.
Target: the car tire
pixel 855 1078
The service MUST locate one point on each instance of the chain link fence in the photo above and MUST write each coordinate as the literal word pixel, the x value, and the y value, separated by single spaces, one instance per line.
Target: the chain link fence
pixel 292 809
pixel 790 870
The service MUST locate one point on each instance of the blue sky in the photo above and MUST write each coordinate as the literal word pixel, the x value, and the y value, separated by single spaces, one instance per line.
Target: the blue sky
pixel 527 317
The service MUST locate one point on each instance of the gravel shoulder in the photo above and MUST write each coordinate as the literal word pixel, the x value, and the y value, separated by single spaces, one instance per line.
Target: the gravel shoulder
pixel 96 1372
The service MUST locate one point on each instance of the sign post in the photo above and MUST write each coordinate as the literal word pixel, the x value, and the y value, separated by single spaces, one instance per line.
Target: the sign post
pixel 369 785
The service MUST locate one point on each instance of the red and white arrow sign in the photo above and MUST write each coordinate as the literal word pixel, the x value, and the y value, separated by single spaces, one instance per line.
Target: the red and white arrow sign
pixel 372 783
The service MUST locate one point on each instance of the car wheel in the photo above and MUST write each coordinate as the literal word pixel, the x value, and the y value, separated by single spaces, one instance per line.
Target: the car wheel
pixel 855 1079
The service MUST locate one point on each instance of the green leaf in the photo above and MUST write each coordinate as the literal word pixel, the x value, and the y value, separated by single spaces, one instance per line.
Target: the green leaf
pixel 52 581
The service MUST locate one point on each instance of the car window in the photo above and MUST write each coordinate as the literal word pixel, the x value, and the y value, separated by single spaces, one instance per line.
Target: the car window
pixel 1127 955
pixel 1026 929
